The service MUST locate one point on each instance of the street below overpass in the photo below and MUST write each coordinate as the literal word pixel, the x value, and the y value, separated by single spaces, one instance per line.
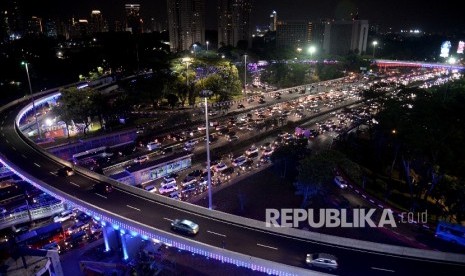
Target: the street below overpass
pixel 239 238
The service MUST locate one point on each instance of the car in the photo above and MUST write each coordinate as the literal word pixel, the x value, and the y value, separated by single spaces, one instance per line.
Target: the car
pixel 171 175
pixel 167 188
pixel 267 151
pixel 188 180
pixel 227 171
pixel 261 101
pixel 247 165
pixel 252 149
pixel 141 159
pixel 240 106
pixel 174 195
pixel 64 216
pixel 340 181
pixel 322 260
pixel 239 161
pixel 220 167
pixel 104 188
pixel 233 138
pixel 201 128
pixel 185 226
pixel 83 217
pixel 65 171
pixel 52 246
pixel 168 181
pixel 195 173
pixel 213 113
pixel 190 143
pixel 153 145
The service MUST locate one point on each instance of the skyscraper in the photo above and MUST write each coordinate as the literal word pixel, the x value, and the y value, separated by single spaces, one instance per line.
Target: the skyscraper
pixel 97 23
pixel 273 21
pixel 341 37
pixel 186 23
pixel 134 22
pixel 233 22
pixel 293 34
pixel 34 26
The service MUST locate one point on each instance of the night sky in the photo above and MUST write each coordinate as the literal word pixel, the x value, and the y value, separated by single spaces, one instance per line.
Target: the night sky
pixel 426 15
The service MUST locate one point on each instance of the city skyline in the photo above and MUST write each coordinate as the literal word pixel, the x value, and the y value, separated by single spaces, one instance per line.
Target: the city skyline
pixel 411 14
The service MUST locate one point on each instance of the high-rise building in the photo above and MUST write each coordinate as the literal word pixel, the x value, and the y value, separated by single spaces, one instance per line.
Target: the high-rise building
pixel 273 21
pixel 233 22
pixel 97 23
pixel 344 36
pixel 50 28
pixel 293 34
pixel 186 23
pixel 34 26
pixel 134 22
pixel 13 20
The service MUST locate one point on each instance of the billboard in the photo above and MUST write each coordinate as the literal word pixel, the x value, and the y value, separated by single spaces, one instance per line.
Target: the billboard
pixel 445 48
pixel 460 47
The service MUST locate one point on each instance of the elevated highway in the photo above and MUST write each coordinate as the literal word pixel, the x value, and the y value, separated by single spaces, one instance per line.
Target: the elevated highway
pixel 248 243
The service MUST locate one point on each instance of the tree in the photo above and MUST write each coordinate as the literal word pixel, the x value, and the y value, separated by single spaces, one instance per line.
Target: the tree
pixel 172 100
pixel 77 105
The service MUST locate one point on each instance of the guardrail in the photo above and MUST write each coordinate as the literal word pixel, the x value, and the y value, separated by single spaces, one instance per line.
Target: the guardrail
pixel 10 219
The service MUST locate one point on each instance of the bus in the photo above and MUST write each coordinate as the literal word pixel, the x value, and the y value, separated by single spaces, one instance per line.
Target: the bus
pixel 454 233
pixel 82 157
pixel 41 236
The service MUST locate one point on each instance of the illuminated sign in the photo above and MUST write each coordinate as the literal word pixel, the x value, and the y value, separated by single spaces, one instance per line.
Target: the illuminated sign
pixel 445 47
pixel 460 47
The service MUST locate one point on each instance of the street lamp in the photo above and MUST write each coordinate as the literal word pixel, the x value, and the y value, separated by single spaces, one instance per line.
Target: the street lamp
pixel 374 47
pixel 32 98
pixel 311 50
pixel 207 45
pixel 195 47
pixel 205 94
pixel 245 74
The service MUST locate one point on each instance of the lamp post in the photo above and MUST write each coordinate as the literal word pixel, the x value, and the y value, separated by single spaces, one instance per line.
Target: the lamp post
pixel 374 47
pixel 245 74
pixel 32 98
pixel 207 45
pixel 195 47
pixel 205 94
pixel 311 50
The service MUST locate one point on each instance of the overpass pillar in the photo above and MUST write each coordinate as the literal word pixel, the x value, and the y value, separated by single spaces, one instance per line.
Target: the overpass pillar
pixel 110 238
pixel 131 245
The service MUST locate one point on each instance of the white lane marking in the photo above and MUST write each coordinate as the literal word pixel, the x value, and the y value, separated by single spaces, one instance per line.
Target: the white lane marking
pixel 53 173
pixel 266 246
pixel 13 148
pixel 167 219
pixel 24 156
pixel 101 195
pixel 3 134
pixel 1 128
pixel 72 183
pixel 382 269
pixel 218 234
pixel 7 141
pixel 37 165
pixel 129 206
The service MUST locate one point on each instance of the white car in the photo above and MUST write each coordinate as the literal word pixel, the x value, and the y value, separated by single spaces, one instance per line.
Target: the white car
pixel 188 180
pixel 322 260
pixel 341 182
pixel 64 216
pixel 239 161
pixel 168 188
pixel 220 167
pixel 252 149
pixel 190 143
pixel 168 181
pixel 141 159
